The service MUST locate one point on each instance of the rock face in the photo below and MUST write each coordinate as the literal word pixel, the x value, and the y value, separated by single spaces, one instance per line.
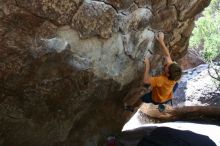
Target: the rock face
pixel 190 61
pixel 66 65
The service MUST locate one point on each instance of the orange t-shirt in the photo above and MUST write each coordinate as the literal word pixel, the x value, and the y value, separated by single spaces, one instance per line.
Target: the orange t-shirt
pixel 162 88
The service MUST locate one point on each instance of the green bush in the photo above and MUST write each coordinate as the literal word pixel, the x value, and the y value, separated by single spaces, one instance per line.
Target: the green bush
pixel 206 34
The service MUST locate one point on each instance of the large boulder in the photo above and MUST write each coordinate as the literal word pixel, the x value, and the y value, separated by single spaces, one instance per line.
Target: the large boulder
pixel 190 60
pixel 197 87
pixel 67 65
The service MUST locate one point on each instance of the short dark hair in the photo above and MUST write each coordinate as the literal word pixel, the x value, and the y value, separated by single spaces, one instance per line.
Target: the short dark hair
pixel 175 72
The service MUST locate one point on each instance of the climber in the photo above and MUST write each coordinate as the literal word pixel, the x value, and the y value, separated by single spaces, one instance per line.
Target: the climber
pixel 164 85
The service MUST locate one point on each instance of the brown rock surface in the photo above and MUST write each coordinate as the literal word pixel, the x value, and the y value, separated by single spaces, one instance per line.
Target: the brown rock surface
pixel 95 18
pixel 66 66
pixel 190 61
pixel 58 11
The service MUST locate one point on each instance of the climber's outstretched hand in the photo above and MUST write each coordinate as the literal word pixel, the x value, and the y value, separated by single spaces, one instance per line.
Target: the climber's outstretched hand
pixel 160 37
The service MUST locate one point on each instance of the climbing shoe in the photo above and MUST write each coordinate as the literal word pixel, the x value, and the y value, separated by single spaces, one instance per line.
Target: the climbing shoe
pixel 161 107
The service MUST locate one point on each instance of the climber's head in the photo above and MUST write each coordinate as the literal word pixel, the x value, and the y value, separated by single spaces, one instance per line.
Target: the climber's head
pixel 173 71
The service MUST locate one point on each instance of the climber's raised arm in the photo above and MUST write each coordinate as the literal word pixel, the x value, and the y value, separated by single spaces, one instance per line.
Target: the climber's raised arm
pixel 146 72
pixel 160 38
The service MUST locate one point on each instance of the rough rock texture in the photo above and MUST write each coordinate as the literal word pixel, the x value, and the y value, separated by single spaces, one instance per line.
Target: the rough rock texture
pixel 66 65
pixel 197 87
pixel 190 61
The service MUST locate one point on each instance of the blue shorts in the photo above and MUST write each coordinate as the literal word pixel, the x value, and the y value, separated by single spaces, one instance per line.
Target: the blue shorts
pixel 147 98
